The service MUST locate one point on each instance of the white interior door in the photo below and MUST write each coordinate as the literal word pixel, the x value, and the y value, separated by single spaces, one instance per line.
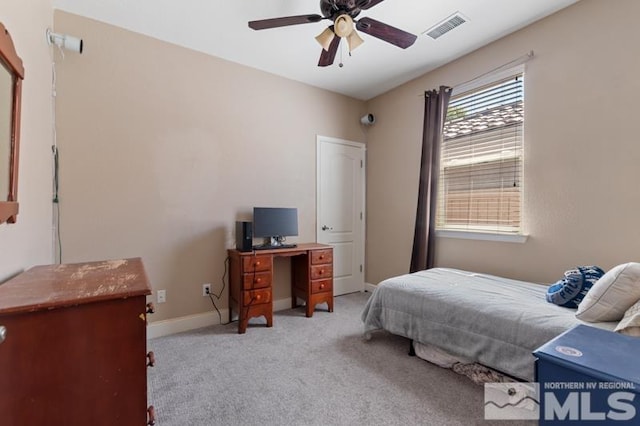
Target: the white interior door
pixel 340 212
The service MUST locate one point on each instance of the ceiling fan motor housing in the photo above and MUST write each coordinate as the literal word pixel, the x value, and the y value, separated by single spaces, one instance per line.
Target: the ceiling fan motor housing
pixel 333 8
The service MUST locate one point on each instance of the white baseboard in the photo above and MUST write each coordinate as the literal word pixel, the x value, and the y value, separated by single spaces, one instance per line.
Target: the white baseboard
pixel 192 322
pixel 186 323
pixel 369 287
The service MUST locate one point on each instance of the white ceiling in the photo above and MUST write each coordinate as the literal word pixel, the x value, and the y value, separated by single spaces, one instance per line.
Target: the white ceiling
pixel 219 28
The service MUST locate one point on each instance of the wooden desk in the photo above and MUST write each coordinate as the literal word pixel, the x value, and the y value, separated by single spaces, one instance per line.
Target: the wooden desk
pixel 75 346
pixel 251 278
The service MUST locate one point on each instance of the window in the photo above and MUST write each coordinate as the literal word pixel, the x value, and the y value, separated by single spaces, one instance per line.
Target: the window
pixel 481 159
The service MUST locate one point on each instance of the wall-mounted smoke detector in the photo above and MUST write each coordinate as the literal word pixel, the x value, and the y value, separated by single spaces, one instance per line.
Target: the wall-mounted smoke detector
pixel 446 25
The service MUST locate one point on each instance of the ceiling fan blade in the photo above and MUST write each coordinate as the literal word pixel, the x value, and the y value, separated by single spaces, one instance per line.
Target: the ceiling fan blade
pixel 386 32
pixel 285 21
pixel 327 56
pixel 368 4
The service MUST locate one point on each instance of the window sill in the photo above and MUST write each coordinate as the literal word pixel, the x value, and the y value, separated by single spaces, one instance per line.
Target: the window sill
pixel 466 235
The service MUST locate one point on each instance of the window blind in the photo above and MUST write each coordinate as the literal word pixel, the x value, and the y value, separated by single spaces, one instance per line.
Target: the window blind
pixel 481 160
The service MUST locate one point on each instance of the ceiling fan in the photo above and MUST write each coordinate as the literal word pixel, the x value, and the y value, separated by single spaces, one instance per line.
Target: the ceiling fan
pixel 343 14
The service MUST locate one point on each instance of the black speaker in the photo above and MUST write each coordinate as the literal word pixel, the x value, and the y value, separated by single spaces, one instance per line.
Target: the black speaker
pixel 244 236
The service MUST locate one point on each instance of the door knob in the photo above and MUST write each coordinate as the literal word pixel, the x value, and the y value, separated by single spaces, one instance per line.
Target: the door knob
pixel 325 227
pixel 3 333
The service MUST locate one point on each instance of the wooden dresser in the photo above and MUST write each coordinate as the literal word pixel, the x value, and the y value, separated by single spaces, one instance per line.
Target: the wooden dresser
pixel 74 350
pixel 251 278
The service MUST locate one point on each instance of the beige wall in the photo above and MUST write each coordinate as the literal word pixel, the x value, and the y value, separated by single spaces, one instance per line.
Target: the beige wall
pixel 582 154
pixel 28 242
pixel 163 149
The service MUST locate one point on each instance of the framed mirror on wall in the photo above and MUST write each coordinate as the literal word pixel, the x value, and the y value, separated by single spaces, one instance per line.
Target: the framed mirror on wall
pixel 11 76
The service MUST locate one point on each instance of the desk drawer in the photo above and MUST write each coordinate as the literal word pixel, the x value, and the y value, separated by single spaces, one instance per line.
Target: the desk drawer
pixel 321 286
pixel 321 256
pixel 256 297
pixel 258 280
pixel 321 271
pixel 256 263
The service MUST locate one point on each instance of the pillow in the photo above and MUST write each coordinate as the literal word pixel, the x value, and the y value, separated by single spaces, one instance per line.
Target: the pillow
pixel 612 295
pixel 570 290
pixel 630 323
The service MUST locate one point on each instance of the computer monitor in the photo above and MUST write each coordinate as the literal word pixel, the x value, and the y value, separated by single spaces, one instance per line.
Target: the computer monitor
pixel 274 224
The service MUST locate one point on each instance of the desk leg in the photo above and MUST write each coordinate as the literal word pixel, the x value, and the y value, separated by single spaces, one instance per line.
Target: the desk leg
pixel 243 321
pixel 294 277
pixel 265 310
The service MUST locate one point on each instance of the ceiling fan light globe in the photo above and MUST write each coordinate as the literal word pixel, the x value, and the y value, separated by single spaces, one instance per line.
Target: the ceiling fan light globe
pixel 354 40
pixel 343 25
pixel 325 38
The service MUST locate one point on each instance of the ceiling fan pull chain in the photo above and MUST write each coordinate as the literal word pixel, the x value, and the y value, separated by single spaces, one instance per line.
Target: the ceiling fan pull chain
pixel 341 64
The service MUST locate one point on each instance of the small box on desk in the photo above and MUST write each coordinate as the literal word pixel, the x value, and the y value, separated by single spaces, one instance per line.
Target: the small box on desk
pixel 589 375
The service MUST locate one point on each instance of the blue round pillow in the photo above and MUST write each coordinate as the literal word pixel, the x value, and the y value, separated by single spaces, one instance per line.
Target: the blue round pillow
pixel 570 290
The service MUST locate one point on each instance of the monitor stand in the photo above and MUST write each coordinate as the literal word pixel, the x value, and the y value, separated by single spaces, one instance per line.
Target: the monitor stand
pixel 274 243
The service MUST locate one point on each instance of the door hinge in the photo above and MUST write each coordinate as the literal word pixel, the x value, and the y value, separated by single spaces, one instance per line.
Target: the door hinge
pixel 361 163
pixel 360 268
pixel 360 215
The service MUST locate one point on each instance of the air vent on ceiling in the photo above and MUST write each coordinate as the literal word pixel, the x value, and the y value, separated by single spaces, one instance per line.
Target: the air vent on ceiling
pixel 446 25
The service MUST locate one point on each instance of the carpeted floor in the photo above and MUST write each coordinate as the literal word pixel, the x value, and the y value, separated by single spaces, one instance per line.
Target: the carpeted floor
pixel 305 371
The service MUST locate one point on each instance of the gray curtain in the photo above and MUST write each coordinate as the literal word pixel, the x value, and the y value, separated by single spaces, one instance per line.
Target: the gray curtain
pixel 435 111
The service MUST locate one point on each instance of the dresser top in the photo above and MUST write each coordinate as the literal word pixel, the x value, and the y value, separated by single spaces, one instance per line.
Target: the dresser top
pixel 53 286
pixel 596 352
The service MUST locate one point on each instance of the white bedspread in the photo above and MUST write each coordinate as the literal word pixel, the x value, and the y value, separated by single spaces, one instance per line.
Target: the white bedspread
pixel 495 321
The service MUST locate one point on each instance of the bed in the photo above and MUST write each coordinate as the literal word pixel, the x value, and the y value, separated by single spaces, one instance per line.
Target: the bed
pixel 490 320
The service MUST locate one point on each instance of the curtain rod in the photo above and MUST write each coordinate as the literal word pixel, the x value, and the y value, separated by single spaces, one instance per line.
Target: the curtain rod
pixel 520 60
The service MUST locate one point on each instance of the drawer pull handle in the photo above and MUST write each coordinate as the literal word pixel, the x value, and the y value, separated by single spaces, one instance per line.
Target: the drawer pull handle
pixel 151 416
pixel 258 297
pixel 321 257
pixel 150 308
pixel 321 286
pixel 256 264
pixel 257 280
pixel 151 359
pixel 321 271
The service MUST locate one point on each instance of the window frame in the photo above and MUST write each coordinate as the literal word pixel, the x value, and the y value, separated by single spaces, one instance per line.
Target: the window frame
pixel 521 236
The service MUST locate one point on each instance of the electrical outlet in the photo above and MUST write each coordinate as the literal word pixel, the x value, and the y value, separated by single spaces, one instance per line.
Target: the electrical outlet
pixel 206 289
pixel 162 296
